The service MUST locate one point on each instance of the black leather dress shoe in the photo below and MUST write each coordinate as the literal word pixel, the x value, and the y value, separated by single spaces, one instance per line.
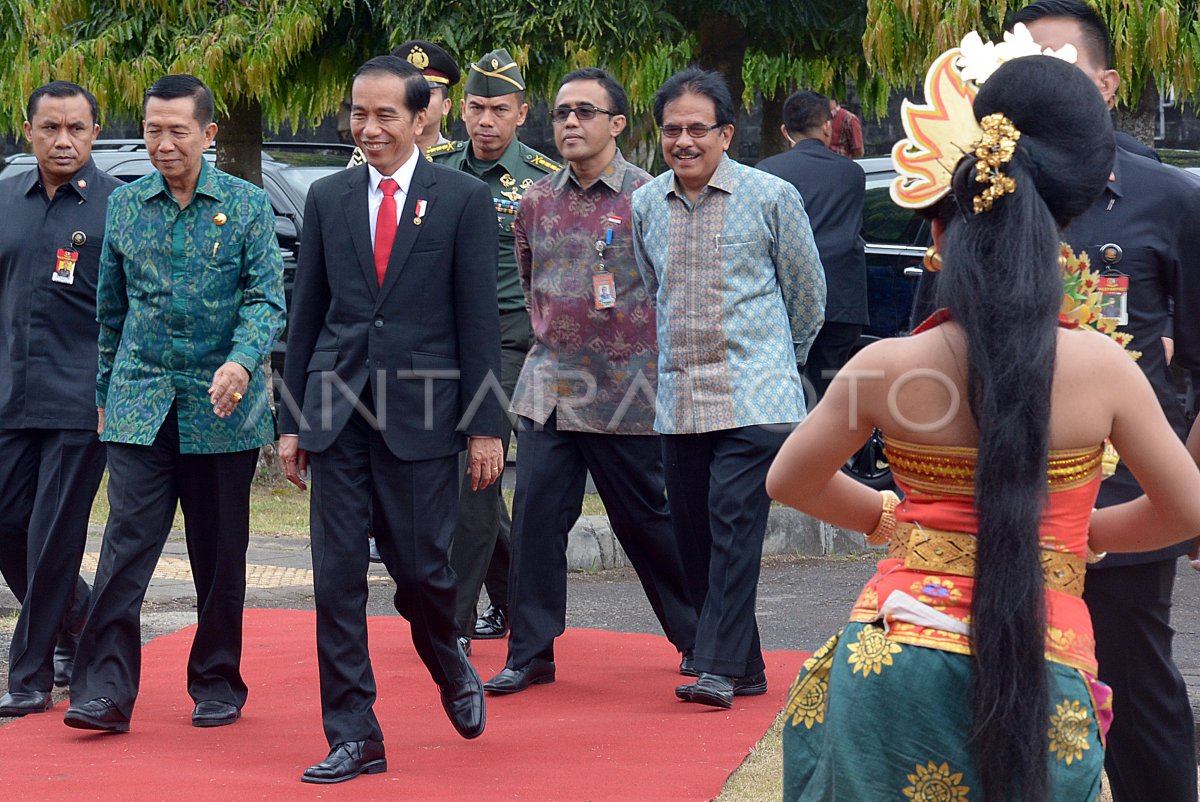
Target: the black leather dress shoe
pixel 717 690
pixel 465 643
pixel 346 761
pixel 687 665
pixel 64 658
pixel 463 703
pixel 492 624
pixel 515 680
pixel 212 713
pixel 22 703
pixel 98 714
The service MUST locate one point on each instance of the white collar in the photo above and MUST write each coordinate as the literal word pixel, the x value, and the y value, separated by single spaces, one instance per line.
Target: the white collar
pixel 402 176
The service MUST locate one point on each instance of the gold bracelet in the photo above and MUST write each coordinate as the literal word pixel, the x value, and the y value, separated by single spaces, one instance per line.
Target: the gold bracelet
pixel 883 530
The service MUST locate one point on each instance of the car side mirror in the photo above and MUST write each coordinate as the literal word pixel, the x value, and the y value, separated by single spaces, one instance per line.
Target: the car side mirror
pixel 285 228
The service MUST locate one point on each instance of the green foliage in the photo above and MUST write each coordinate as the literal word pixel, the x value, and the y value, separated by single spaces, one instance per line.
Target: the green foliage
pixel 1153 40
pixel 293 56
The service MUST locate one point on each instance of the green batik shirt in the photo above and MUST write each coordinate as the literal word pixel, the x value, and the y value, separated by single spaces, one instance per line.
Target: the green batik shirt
pixel 182 291
pixel 508 177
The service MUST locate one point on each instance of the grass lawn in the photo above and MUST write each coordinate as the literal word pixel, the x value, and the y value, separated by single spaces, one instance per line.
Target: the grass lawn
pixel 278 508
pixel 760 777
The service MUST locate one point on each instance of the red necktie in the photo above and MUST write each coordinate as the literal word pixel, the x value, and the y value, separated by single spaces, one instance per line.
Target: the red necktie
pixel 385 227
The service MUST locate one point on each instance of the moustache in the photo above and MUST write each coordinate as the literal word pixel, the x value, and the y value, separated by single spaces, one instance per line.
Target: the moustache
pixel 684 153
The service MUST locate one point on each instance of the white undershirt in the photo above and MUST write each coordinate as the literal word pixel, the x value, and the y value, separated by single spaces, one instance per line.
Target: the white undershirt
pixel 402 176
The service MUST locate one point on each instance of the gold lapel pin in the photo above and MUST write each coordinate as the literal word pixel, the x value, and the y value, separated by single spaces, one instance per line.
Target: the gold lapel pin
pixel 219 218
pixel 78 238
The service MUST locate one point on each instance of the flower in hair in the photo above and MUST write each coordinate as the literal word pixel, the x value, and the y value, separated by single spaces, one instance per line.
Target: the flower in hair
pixel 979 59
pixel 993 151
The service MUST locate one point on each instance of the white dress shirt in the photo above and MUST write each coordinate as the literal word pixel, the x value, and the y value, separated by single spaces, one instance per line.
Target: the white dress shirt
pixel 402 176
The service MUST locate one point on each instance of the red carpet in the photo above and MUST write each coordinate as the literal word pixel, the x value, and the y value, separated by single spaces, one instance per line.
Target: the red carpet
pixel 608 729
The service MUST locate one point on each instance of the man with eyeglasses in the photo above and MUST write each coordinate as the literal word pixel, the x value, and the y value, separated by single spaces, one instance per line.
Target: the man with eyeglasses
pixel 493 107
pixel 727 253
pixel 586 393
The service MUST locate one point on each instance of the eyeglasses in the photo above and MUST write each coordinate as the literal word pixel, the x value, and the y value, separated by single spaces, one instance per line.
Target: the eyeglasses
pixel 695 130
pixel 559 114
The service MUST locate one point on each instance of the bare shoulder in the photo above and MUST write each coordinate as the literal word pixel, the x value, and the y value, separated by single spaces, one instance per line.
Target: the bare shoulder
pixel 926 349
pixel 1086 351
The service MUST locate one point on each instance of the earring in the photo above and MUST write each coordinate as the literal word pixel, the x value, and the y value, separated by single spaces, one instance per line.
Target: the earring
pixel 933 259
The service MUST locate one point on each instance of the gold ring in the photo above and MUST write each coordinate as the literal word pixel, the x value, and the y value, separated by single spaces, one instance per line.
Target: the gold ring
pixel 237 397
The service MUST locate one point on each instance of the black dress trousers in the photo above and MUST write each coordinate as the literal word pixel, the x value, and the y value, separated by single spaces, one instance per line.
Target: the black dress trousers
pixel 412 506
pixel 48 479
pixel 1151 748
pixel 144 485
pixel 719 505
pixel 481 552
pixel 551 474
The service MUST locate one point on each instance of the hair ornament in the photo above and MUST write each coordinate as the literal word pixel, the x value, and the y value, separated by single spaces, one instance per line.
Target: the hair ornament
pixel 994 149
pixel 941 130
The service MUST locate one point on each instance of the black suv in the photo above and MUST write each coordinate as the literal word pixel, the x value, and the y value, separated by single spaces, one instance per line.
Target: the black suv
pixel 288 169
pixel 896 239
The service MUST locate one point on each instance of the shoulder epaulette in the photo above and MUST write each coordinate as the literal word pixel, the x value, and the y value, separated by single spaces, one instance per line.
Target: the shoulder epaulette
pixel 542 163
pixel 446 147
pixel 356 158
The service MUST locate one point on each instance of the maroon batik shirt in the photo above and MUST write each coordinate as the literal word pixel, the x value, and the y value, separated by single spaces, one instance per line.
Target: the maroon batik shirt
pixel 596 367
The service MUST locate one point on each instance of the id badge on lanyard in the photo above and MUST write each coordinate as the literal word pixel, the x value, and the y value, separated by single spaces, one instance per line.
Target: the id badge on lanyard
pixel 604 289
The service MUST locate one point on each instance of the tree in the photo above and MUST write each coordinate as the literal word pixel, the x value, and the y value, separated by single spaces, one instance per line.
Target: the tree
pixel 767 46
pixel 282 60
pixel 1155 43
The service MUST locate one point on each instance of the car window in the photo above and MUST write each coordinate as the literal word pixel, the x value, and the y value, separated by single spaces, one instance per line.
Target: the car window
pixel 301 178
pixel 885 223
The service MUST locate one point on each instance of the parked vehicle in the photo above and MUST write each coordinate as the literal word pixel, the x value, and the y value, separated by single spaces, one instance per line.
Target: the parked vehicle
pixel 896 240
pixel 288 169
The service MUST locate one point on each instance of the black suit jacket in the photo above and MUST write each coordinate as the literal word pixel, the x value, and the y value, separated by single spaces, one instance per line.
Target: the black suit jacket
pixel 428 340
pixel 833 188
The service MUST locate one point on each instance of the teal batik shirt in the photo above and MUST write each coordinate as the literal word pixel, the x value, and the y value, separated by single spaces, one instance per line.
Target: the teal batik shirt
pixel 182 291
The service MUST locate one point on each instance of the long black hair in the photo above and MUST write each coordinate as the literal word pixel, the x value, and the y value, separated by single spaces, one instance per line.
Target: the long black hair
pixel 1003 285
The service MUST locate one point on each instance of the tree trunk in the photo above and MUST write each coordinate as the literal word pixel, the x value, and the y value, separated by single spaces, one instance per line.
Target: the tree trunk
pixel 770 141
pixel 723 48
pixel 1141 120
pixel 239 152
pixel 239 141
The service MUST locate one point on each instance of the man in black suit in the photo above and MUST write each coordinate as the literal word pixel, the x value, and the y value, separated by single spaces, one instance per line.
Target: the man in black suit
pixel 833 188
pixel 51 459
pixel 390 370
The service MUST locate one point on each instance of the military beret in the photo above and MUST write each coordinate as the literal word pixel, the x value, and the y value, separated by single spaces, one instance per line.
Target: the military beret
pixel 433 61
pixel 494 75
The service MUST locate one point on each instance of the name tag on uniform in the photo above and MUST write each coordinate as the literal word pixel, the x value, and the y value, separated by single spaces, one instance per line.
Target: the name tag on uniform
pixel 1114 296
pixel 605 290
pixel 64 266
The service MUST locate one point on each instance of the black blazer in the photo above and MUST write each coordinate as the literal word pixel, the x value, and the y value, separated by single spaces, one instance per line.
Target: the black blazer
pixel 427 340
pixel 833 188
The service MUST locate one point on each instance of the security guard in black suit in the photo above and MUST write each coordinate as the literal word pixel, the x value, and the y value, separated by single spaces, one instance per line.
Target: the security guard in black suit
pixel 833 188
pixel 51 459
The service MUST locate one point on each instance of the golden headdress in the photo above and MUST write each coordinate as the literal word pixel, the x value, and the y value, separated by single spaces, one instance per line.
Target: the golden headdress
pixel 943 128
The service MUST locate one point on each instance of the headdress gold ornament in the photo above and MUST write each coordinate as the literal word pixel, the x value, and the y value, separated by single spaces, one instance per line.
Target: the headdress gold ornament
pixel 943 128
pixel 994 149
